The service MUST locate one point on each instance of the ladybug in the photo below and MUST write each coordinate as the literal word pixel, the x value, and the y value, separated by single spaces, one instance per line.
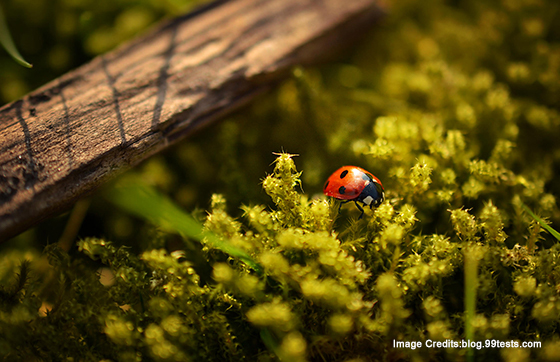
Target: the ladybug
pixel 351 183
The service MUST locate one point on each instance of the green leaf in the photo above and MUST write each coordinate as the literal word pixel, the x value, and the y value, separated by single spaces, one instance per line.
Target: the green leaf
pixel 8 43
pixel 145 202
pixel 554 233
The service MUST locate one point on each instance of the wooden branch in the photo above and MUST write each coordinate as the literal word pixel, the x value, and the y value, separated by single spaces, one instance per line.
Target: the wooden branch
pixel 67 137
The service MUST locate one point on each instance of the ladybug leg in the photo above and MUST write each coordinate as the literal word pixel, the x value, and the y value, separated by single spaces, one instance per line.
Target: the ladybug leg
pixel 359 208
pixel 341 203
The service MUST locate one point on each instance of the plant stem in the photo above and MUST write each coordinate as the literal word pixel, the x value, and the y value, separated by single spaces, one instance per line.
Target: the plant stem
pixel 471 282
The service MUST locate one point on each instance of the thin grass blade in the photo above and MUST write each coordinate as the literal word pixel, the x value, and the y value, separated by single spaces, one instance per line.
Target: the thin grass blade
pixel 8 43
pixel 145 202
pixel 553 232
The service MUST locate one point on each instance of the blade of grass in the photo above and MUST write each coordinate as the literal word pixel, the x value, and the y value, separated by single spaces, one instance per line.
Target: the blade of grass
pixel 472 255
pixel 8 43
pixel 143 201
pixel 73 224
pixel 269 341
pixel 553 232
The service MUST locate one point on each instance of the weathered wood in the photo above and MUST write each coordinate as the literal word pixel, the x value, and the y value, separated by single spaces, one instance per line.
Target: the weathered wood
pixel 64 139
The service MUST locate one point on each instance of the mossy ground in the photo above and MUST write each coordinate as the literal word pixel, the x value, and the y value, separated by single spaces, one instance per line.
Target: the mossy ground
pixel 453 105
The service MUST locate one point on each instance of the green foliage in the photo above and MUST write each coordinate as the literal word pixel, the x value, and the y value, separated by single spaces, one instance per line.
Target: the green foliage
pixel 453 105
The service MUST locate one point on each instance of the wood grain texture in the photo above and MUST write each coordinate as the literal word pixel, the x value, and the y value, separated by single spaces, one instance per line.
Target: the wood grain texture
pixel 64 139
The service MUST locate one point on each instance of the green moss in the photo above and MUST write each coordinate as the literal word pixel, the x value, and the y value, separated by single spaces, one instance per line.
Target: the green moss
pixel 452 105
pixel 318 294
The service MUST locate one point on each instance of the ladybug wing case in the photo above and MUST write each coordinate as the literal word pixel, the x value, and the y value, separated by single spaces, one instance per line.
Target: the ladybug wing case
pixel 345 184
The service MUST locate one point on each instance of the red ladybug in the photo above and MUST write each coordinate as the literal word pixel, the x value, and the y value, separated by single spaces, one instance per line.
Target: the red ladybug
pixel 351 183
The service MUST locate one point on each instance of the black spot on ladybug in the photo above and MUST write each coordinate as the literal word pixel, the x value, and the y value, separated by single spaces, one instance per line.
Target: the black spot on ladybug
pixel 342 189
pixel 343 174
pixel 326 184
